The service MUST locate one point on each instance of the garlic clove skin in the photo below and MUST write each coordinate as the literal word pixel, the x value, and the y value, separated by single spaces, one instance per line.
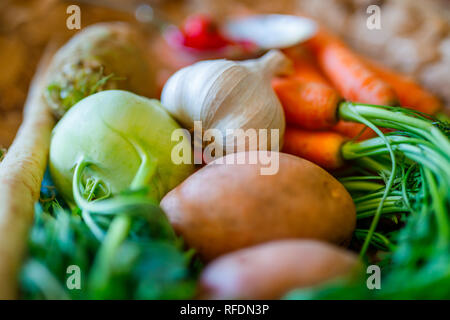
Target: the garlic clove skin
pixel 273 63
pixel 185 92
pixel 226 95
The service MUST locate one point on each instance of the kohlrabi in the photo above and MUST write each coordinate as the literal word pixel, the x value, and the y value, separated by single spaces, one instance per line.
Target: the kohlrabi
pixel 113 141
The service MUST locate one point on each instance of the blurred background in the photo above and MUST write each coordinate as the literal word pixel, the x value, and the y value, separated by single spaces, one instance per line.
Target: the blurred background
pixel 414 35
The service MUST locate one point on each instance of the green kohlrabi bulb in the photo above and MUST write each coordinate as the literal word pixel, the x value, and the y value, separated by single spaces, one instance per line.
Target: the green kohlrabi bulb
pixel 126 141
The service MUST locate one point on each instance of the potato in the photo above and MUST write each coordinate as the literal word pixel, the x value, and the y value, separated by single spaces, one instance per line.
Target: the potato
pixel 270 270
pixel 225 207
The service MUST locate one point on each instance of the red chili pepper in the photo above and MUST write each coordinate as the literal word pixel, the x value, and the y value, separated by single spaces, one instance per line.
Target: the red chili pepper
pixel 201 32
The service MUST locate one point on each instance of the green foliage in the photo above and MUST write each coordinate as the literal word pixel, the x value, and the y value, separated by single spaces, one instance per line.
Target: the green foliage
pixel 145 265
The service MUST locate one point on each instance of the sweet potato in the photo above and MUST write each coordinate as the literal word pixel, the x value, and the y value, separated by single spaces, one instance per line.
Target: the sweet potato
pixel 270 270
pixel 225 207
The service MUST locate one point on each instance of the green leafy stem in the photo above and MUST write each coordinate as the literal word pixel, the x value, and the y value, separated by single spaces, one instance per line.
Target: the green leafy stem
pixel 417 140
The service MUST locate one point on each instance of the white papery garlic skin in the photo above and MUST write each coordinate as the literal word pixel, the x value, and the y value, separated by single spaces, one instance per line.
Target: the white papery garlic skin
pixel 226 95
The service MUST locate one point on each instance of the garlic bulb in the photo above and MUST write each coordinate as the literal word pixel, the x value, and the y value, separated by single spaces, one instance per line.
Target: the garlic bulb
pixel 228 95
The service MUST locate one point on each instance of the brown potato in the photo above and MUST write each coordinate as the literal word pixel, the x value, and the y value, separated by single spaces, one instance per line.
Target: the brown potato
pixel 225 207
pixel 270 270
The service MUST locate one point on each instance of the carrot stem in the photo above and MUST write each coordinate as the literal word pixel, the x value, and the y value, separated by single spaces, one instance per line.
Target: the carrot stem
pixel 391 117
pixel 348 110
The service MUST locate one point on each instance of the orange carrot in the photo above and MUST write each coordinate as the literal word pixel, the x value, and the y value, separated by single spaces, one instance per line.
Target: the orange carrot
pixel 309 101
pixel 305 67
pixel 307 98
pixel 410 94
pixel 321 147
pixel 353 130
pixel 354 81
pixel 311 105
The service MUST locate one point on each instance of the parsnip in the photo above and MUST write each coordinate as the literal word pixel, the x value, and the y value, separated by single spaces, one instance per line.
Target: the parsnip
pixel 21 173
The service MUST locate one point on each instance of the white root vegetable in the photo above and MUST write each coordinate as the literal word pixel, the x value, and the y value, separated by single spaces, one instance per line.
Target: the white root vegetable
pixel 21 173
pixel 102 56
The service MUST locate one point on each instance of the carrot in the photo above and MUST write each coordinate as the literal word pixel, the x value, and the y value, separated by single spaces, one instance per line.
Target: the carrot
pixel 354 81
pixel 352 78
pixel 306 96
pixel 305 67
pixel 410 94
pixel 311 105
pixel 21 173
pixel 321 147
pixel 310 102
pixel 353 130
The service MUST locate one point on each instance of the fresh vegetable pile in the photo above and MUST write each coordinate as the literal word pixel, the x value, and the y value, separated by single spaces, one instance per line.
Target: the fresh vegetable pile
pixel 118 218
